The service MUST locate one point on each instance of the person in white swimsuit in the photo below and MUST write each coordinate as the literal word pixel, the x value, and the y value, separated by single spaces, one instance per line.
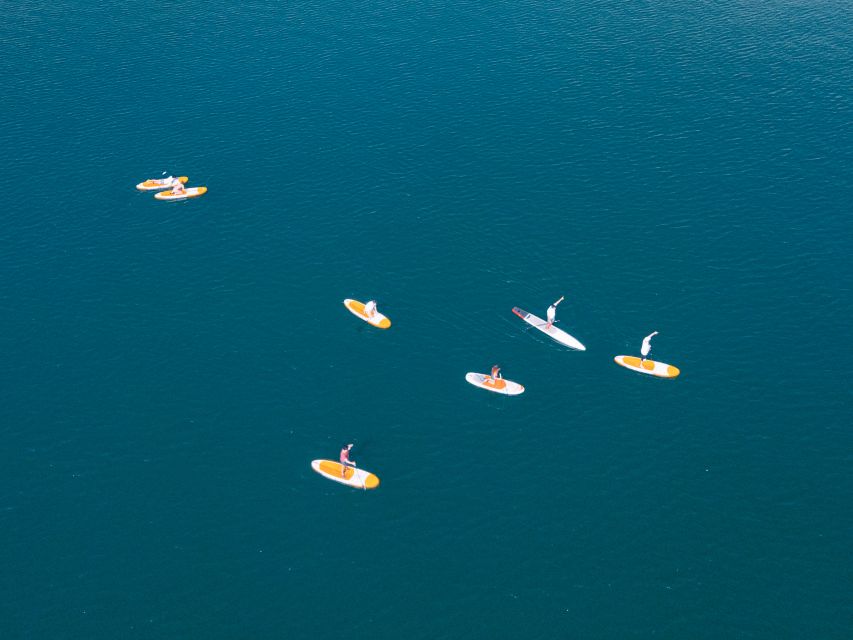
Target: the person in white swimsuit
pixel 647 345
pixel 552 312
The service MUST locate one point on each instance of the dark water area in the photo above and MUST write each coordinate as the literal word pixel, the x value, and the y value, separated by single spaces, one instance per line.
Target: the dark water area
pixel 169 370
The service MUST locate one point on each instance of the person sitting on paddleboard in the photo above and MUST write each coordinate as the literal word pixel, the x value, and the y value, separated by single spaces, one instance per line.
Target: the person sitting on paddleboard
pixel 496 372
pixel 647 345
pixel 177 187
pixel 345 461
pixel 552 312
pixel 370 308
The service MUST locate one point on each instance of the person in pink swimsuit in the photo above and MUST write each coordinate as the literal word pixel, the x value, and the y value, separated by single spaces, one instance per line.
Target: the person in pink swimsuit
pixel 345 461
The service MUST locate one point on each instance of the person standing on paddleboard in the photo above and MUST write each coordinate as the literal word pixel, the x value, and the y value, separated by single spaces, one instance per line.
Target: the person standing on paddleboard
pixel 370 308
pixel 552 312
pixel 647 345
pixel 345 461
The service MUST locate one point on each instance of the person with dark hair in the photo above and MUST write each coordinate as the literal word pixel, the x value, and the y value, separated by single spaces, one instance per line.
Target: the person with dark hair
pixel 345 461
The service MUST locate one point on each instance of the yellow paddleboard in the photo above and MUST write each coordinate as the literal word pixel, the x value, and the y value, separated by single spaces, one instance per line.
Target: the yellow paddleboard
pixel 189 192
pixel 155 184
pixel 650 367
pixel 357 309
pixel 353 477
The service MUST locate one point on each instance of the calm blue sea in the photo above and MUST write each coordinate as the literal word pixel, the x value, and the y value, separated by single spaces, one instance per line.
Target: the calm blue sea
pixel 169 370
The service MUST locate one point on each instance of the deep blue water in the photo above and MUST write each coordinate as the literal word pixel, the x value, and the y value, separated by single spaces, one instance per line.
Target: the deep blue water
pixel 169 370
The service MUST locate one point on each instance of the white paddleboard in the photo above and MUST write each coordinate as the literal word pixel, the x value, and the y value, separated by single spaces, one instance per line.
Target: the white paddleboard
pixel 155 184
pixel 189 192
pixel 649 367
pixel 353 477
pixel 357 309
pixel 552 332
pixel 499 385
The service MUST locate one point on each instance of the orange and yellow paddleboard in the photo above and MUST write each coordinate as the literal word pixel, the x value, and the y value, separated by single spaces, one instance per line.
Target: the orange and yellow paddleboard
pixel 189 192
pixel 498 385
pixel 155 184
pixel 649 367
pixel 357 309
pixel 353 477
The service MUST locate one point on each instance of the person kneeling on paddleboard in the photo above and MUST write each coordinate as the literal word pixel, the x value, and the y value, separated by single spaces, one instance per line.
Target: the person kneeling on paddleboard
pixel 552 312
pixel 370 308
pixel 345 461
pixel 496 372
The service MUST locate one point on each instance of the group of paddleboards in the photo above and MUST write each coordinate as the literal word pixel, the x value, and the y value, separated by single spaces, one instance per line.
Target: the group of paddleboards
pixel 494 382
pixel 345 471
pixel 171 188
